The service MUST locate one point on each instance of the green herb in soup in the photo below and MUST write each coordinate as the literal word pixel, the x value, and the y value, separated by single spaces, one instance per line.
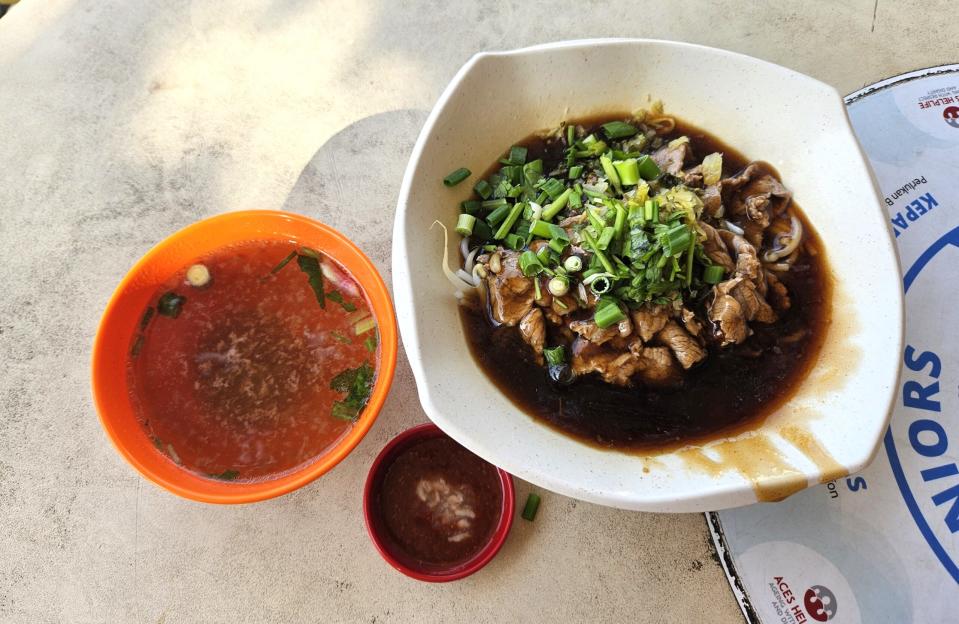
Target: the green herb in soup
pixel 242 377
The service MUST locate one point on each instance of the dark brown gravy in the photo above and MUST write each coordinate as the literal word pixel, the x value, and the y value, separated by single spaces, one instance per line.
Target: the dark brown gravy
pixel 733 390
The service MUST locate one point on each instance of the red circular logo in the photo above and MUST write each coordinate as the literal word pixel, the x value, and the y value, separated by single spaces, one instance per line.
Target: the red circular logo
pixel 951 115
pixel 820 603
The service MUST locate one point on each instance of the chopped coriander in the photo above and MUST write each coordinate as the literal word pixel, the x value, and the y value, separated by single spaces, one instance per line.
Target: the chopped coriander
pixel 170 304
pixel 137 345
pixel 334 295
pixel 226 475
pixel 146 318
pixel 358 384
pixel 310 264
pixel 340 337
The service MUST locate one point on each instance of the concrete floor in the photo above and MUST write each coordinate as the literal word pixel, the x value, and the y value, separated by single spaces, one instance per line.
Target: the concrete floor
pixel 121 122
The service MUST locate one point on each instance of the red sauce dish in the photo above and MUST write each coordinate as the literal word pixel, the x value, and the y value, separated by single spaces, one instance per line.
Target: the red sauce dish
pixel 435 511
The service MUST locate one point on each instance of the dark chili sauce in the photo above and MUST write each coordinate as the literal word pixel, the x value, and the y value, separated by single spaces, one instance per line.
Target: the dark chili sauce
pixel 439 504
pixel 734 389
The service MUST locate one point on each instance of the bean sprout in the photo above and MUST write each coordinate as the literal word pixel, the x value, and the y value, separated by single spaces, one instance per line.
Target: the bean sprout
pixel 468 265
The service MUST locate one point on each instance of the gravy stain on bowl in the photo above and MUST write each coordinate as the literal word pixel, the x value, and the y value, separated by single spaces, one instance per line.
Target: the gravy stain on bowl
pixel 808 445
pixel 756 458
pixel 840 355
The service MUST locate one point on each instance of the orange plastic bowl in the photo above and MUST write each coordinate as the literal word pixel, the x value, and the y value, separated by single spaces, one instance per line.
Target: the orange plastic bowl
pixel 111 391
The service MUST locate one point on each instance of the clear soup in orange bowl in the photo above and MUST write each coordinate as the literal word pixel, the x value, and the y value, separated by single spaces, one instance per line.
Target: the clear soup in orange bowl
pixel 244 356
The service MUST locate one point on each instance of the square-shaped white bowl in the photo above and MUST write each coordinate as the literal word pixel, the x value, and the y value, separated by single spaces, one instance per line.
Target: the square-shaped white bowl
pixel 831 426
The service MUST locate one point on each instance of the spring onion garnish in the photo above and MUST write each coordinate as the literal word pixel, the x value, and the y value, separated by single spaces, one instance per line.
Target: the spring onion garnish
pixel 471 206
pixel 630 231
pixel 340 337
pixel 529 264
pixel 457 176
pixel 464 224
pixel 517 155
pixel 573 264
pixel 648 168
pixel 609 314
pixel 675 240
pixel 557 204
pixel 364 326
pixel 531 507
pixel 285 261
pixel 558 286
pixel 508 223
pixel 170 304
pixel 713 274
pixel 619 130
pixel 600 285
pixel 370 342
pixel 610 170
pixel 483 189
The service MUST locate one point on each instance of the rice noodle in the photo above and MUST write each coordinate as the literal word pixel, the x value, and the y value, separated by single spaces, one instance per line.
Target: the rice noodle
pixel 662 125
pixel 795 238
pixel 732 227
pixel 779 267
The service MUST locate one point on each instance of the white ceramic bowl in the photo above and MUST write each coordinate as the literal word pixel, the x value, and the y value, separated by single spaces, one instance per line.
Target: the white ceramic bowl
pixel 831 426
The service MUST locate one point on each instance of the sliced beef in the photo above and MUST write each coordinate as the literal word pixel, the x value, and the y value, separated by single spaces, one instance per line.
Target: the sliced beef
pixel 747 259
pixel 561 306
pixel 729 318
pixel 692 324
pixel 693 177
pixel 760 198
pixel 753 304
pixel 715 248
pixel 533 330
pixel 510 292
pixel 656 367
pixel 735 303
pixel 778 295
pixel 552 317
pixel 672 159
pixel 686 349
pixel 615 366
pixel 589 330
pixel 713 200
pixel 649 319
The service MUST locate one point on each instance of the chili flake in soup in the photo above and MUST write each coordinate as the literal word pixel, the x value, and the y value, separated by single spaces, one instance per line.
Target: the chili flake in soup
pixel 253 361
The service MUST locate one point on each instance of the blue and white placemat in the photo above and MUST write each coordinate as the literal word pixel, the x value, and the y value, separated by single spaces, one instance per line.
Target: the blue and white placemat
pixel 882 545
